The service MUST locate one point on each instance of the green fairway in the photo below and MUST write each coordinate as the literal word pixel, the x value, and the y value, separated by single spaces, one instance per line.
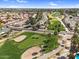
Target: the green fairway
pixel 52 44
pixel 4 57
pixel 13 50
pixel 55 14
pixel 33 40
pixel 55 25
pixel 9 51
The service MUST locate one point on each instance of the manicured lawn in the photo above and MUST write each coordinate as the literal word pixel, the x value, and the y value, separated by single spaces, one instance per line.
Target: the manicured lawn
pixel 55 25
pixel 13 50
pixel 9 51
pixel 33 40
pixel 55 14
pixel 37 40
pixel 52 44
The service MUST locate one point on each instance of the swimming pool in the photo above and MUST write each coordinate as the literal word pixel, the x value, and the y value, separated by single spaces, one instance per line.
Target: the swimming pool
pixel 77 56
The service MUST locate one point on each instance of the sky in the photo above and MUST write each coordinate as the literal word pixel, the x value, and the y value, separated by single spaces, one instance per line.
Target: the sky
pixel 39 3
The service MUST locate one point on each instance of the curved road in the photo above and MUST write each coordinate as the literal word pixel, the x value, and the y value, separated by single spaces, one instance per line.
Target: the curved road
pixel 63 24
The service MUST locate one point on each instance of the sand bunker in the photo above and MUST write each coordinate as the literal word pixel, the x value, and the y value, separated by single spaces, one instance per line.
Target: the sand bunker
pixel 28 53
pixel 20 38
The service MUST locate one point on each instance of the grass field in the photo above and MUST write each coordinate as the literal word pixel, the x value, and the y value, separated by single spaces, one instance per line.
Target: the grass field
pixel 32 40
pixel 13 50
pixel 9 51
pixel 55 25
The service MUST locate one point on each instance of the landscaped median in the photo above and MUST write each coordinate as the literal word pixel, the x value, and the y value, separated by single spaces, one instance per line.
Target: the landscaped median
pixel 14 50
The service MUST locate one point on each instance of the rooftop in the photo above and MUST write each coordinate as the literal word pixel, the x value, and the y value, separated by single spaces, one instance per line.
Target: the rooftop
pixel 4 30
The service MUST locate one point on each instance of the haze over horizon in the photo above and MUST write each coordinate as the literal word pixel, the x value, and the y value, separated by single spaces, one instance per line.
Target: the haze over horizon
pixel 39 4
